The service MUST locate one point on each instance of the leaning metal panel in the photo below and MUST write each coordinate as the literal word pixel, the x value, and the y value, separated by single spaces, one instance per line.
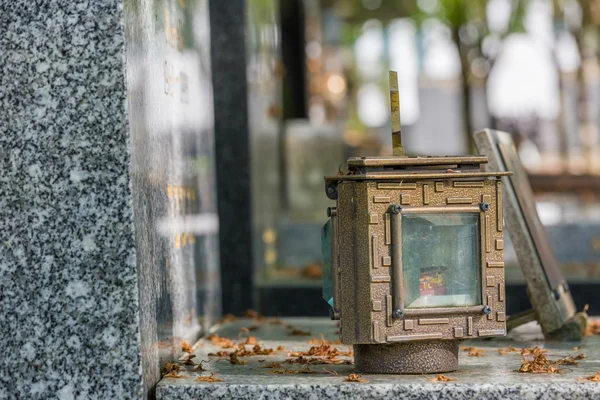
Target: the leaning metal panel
pixel 547 286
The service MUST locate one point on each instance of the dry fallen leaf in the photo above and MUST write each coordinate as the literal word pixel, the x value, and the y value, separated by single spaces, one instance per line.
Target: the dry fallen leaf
pixel 280 348
pixel 173 375
pixel 221 353
pixel 169 368
pixel 233 359
pixel 317 360
pixel 593 328
pixel 475 352
pixel 570 360
pixel 323 341
pixel 255 315
pixel 200 367
pixel 536 362
pixel 304 370
pixel 324 350
pixel 442 378
pixel 330 372
pixel 298 332
pixel 211 378
pixel 185 347
pixel 509 349
pixel 189 360
pixel 593 378
pixel 534 351
pixel 216 340
pixel 576 347
pixel 273 365
pixel 355 378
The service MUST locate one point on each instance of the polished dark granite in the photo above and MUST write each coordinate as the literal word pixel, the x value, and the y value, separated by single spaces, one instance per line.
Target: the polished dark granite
pixel 232 151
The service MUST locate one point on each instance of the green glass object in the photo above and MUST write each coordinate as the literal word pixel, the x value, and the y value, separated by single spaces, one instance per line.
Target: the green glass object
pixel 440 260
pixel 326 253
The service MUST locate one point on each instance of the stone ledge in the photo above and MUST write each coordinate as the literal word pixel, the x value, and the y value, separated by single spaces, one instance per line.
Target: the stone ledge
pixel 491 376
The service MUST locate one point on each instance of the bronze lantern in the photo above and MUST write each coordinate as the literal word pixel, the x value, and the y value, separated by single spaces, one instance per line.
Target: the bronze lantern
pixel 414 257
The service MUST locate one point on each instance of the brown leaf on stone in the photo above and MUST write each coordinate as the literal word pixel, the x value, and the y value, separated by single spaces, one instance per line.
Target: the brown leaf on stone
pixel 317 360
pixel 273 365
pixel 298 332
pixel 593 328
pixel 593 378
pixel 224 343
pixel 330 372
pixel 257 350
pixel 255 315
pixel 169 367
pixel 507 350
pixel 173 375
pixel 251 340
pixel 304 370
pixel 536 362
pixel 324 350
pixel 442 378
pixel 280 348
pixel 323 341
pixel 533 351
pixel 185 347
pixel 576 347
pixel 219 354
pixel 355 378
pixel 570 360
pixel 211 378
pixel 189 360
pixel 233 359
pixel 199 367
pixel 475 352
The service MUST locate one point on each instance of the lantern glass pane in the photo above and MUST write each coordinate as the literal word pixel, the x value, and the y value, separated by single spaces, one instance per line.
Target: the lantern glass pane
pixel 441 260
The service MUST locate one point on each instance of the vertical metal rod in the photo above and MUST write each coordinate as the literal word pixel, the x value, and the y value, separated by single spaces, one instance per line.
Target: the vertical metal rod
pixel 335 278
pixel 397 281
pixel 395 111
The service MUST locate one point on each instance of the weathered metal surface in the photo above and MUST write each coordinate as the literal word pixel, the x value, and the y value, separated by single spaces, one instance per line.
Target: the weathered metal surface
pixel 354 162
pixel 395 113
pixel 553 305
pixel 413 357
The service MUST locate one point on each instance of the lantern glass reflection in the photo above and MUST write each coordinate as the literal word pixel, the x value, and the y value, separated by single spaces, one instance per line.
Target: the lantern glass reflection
pixel 440 260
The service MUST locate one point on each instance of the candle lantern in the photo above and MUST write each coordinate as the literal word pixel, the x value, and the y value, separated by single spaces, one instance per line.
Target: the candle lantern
pixel 413 257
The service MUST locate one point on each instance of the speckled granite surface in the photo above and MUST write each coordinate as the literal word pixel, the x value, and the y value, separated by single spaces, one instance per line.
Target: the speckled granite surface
pixel 69 296
pixel 490 376
pixel 94 287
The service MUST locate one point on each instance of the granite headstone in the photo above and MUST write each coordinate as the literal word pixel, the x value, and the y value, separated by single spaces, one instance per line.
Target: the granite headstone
pixel 107 208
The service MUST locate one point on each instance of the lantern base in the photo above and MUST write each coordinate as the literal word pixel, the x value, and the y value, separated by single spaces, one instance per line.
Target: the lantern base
pixel 425 357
